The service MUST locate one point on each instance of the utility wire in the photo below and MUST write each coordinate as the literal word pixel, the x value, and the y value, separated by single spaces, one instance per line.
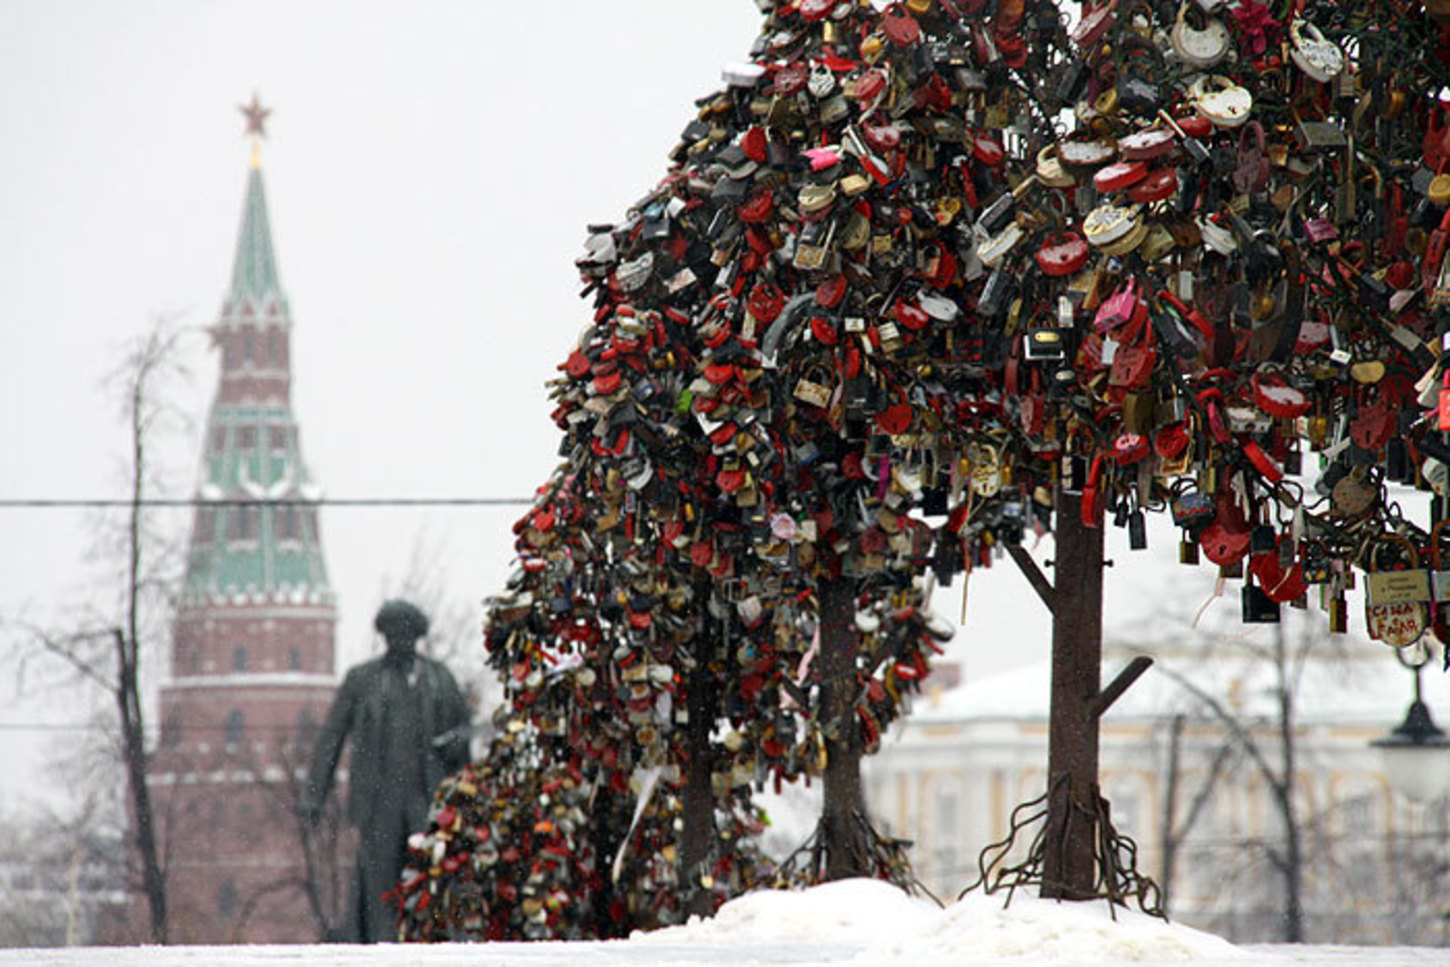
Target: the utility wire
pixel 62 502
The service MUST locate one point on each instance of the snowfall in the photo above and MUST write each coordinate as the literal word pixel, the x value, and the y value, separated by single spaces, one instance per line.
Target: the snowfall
pixel 852 921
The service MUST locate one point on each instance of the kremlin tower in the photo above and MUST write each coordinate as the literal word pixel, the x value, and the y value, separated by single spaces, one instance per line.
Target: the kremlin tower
pixel 251 671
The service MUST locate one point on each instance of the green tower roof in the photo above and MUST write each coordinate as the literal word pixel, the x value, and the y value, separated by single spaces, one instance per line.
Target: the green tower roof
pixel 254 274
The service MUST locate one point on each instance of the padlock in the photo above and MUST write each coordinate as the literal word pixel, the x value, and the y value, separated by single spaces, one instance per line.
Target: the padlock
pixel 1396 609
pixel 1257 606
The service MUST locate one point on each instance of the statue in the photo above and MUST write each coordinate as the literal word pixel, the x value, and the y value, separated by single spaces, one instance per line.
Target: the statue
pixel 409 724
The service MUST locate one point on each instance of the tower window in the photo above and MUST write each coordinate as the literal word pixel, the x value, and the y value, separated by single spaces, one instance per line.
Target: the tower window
pixel 274 347
pixel 226 900
pixel 239 659
pixel 248 348
pixel 236 723
pixel 244 523
pixel 205 525
pixel 287 522
pixel 306 728
pixel 294 658
pixel 277 438
pixel 246 438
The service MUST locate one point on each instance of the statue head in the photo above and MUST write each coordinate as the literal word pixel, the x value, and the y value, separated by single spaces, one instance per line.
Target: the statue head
pixel 401 625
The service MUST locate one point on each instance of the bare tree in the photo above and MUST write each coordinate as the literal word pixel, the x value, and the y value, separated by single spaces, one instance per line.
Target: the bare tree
pixel 108 648
pixel 1275 763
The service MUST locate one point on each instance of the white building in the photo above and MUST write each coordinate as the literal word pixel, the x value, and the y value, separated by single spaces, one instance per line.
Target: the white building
pixel 1375 864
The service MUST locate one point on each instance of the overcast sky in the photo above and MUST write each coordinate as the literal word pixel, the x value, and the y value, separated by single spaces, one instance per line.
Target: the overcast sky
pixel 430 170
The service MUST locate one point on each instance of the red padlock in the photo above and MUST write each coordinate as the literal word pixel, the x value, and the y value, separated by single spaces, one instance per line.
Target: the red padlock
pixel 900 27
pixel 1063 253
pixel 1160 183
pixel 1120 174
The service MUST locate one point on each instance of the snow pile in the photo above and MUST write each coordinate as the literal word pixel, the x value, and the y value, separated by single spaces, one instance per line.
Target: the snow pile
pixel 886 925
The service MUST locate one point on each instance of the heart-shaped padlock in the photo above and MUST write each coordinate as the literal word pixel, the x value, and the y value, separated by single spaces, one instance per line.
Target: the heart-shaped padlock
pixel 1317 57
pixel 1221 101
pixel 1062 253
pixel 900 27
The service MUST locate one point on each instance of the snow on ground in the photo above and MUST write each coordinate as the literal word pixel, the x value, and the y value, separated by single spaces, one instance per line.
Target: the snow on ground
pixel 860 922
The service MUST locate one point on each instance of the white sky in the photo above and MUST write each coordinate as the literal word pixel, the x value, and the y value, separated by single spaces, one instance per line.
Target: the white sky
pixel 430 171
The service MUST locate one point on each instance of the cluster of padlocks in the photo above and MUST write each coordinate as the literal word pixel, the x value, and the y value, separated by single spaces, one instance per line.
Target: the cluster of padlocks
pixel 920 267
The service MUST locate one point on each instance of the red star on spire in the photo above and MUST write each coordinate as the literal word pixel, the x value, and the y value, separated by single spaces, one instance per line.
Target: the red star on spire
pixel 256 116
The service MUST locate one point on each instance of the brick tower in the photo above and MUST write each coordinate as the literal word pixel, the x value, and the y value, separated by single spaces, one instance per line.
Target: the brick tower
pixel 252 651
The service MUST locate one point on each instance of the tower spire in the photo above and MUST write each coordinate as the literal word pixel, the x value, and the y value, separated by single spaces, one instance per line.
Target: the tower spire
pixel 256 116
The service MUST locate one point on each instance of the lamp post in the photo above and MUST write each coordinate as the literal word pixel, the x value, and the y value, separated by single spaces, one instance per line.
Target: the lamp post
pixel 1416 755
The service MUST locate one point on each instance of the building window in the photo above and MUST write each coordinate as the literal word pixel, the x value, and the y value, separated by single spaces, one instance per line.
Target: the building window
pixel 306 728
pixel 239 659
pixel 243 523
pixel 226 900
pixel 294 659
pixel 277 437
pixel 231 352
pixel 236 722
pixel 171 729
pixel 274 347
pixel 246 438
pixel 205 525
pixel 287 522
pixel 249 351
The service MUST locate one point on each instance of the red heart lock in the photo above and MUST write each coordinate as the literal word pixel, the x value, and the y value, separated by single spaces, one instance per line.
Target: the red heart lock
pixel 718 374
pixel 1226 540
pixel 1063 253
pixel 756 144
pixel 988 150
pixel 1195 125
pixel 1373 426
pixel 701 554
pixel 758 207
pixel 1273 394
pixel 869 84
pixel 900 27
pixel 830 292
pixel 1281 584
pixel 881 137
pixel 910 315
pixel 606 385
pixel 766 301
pixel 729 481
pixel 824 331
pixel 1147 144
pixel 1172 439
pixel 1130 448
pixel 1120 174
pixel 895 419
pixel 577 365
pixel 851 466
pixel 722 435
pixel 1160 183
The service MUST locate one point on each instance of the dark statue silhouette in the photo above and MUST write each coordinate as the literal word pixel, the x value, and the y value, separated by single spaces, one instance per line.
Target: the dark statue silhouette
pixel 409 725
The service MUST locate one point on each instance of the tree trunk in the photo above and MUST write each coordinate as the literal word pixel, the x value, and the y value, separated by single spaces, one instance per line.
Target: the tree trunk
pixel 1293 846
pixel 842 819
pixel 134 751
pixel 1167 835
pixel 1069 867
pixel 699 793
pixel 128 665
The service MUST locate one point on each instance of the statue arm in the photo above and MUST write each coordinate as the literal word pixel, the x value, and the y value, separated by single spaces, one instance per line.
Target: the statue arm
pixel 453 720
pixel 329 748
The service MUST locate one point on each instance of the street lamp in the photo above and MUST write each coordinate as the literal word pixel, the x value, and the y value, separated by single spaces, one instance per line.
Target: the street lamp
pixel 1416 755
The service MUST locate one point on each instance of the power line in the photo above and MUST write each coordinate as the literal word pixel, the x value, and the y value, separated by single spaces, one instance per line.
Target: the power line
pixel 103 502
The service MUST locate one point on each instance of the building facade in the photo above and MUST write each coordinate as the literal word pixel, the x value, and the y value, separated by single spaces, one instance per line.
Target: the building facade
pixel 252 665
pixel 1181 784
